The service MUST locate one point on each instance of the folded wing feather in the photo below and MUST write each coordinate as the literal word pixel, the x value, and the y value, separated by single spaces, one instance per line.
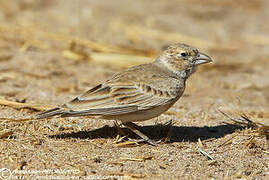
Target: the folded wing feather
pixel 113 99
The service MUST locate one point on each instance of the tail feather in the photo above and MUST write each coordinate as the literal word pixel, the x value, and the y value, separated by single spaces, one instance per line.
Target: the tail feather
pixel 50 113
pixel 63 112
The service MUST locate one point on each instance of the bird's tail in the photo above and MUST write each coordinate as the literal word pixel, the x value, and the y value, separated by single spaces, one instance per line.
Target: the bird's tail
pixel 50 113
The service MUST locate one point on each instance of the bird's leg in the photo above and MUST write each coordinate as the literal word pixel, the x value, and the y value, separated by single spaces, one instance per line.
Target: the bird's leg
pixel 170 131
pixel 120 131
pixel 133 127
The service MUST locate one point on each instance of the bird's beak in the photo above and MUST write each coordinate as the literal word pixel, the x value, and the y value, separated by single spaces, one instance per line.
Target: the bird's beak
pixel 203 59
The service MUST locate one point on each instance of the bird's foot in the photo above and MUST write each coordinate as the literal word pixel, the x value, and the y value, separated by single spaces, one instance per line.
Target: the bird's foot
pixel 133 128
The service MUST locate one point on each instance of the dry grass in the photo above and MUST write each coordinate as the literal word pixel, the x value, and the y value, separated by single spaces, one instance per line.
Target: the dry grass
pixel 259 129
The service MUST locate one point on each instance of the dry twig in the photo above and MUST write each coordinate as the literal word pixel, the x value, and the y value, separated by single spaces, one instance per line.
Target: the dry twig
pixel 5 133
pixel 260 128
pixel 142 159
pixel 18 105
pixel 205 154
pixel 127 144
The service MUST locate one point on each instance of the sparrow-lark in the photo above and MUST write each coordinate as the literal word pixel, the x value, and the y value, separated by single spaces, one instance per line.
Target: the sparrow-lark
pixel 138 93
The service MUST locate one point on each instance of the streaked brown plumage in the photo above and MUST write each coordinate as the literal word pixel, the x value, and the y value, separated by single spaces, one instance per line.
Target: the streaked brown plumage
pixel 140 92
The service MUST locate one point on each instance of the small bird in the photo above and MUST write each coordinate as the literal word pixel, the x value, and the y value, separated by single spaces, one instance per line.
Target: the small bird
pixel 139 93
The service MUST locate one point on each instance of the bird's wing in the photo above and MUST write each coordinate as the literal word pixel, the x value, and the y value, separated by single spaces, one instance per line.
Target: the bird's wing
pixel 123 94
pixel 115 99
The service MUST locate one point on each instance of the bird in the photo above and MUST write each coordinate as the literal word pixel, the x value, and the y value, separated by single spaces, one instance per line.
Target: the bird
pixel 139 93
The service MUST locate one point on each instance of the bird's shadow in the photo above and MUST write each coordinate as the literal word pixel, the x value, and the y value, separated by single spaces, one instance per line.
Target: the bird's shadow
pixel 156 132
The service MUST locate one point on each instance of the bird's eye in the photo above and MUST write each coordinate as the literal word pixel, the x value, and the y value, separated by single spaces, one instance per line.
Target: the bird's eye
pixel 183 54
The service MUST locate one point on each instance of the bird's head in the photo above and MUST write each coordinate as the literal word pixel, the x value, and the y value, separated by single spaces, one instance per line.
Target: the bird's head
pixel 182 59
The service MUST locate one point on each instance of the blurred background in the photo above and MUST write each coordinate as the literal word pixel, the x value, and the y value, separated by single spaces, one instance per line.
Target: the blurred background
pixel 86 41
pixel 53 50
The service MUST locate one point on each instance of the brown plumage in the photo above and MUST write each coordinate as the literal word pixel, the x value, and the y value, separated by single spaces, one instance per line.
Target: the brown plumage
pixel 140 92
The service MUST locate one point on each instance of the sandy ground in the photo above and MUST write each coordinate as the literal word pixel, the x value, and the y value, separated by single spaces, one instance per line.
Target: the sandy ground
pixel 47 57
